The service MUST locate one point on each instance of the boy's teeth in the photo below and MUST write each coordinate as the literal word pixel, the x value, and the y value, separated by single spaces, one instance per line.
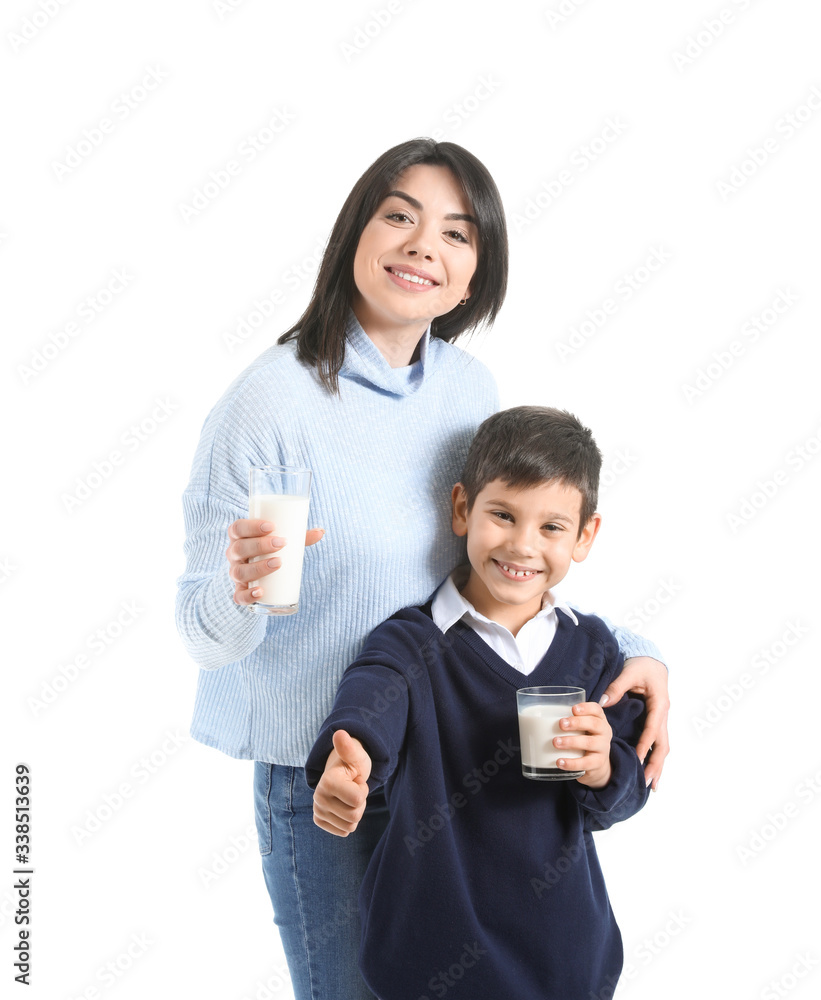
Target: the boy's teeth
pixel 519 572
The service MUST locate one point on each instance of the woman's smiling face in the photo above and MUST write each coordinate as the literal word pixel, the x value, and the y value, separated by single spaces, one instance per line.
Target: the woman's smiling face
pixel 417 255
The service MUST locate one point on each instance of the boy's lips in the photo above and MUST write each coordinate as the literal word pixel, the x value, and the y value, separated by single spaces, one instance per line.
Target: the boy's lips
pixel 513 571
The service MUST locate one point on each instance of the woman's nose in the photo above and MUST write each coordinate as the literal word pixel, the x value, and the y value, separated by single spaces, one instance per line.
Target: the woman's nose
pixel 420 243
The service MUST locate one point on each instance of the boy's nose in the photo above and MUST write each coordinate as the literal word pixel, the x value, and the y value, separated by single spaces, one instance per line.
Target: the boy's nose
pixel 523 541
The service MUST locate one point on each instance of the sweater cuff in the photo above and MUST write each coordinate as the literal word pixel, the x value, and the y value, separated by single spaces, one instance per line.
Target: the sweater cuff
pixel 382 764
pixel 317 758
pixel 619 788
pixel 233 627
pixel 631 644
pixel 639 646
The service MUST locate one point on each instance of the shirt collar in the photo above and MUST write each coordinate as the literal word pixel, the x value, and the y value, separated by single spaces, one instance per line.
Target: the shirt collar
pixel 449 606
pixel 364 362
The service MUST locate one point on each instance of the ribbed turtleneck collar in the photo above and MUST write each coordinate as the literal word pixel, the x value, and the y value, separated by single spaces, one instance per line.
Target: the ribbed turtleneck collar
pixel 364 362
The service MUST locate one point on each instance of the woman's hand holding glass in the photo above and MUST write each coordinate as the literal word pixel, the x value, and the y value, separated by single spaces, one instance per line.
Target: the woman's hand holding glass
pixel 249 538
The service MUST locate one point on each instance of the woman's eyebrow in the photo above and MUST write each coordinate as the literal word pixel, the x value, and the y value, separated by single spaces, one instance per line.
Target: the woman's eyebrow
pixel 419 207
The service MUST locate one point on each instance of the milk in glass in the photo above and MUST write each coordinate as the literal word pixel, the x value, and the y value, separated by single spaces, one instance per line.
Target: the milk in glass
pixel 289 516
pixel 538 725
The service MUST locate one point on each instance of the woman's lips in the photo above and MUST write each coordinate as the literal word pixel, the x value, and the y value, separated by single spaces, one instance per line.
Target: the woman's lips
pixel 420 285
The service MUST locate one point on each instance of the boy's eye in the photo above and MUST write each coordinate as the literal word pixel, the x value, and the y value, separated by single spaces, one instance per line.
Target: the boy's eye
pixel 503 515
pixel 553 527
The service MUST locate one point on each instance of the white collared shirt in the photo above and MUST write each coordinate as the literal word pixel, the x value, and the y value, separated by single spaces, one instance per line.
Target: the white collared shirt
pixel 523 651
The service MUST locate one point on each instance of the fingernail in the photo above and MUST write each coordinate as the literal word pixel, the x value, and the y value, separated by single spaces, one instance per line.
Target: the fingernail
pixel 604 699
pixel 274 563
pixel 558 741
pixel 256 593
pixel 560 762
pixel 277 542
pixel 266 526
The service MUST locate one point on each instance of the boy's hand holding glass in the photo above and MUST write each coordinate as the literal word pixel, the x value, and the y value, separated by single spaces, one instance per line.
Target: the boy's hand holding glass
pixel 588 730
pixel 342 791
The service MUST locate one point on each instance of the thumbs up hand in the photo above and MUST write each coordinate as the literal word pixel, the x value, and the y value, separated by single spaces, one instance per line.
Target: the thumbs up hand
pixel 340 796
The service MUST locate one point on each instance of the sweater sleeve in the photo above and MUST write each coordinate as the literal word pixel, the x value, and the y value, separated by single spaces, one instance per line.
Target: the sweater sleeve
pixel 214 629
pixel 373 703
pixel 626 792
pixel 630 643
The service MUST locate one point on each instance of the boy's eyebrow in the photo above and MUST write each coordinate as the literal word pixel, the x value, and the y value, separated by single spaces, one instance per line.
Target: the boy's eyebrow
pixel 419 207
pixel 490 502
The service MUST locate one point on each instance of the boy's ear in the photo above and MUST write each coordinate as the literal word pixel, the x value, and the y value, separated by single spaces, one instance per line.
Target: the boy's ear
pixel 585 540
pixel 459 503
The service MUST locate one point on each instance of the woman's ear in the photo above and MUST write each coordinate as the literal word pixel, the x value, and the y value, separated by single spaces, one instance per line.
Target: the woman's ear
pixel 459 504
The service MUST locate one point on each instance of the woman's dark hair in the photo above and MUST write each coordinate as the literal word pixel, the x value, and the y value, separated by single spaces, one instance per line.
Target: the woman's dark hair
pixel 320 331
pixel 531 445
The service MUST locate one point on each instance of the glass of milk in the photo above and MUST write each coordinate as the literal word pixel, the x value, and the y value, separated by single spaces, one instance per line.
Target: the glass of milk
pixel 280 494
pixel 540 709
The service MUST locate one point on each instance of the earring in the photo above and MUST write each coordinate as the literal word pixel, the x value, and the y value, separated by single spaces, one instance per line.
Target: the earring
pixel 463 302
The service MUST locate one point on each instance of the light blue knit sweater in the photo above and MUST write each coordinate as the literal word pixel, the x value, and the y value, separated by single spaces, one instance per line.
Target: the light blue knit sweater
pixel 384 456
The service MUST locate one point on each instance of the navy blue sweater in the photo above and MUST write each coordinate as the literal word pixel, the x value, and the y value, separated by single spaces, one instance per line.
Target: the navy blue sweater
pixel 486 884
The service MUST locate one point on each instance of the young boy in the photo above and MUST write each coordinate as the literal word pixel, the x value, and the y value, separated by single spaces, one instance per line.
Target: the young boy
pixel 486 882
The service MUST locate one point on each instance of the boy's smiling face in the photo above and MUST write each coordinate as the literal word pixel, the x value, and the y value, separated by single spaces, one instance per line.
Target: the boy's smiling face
pixel 520 543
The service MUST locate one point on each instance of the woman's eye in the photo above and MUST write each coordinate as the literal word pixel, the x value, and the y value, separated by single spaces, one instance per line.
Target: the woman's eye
pixel 399 216
pixel 458 235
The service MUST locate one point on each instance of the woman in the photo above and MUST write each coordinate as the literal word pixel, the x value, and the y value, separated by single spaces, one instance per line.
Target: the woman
pixel 368 392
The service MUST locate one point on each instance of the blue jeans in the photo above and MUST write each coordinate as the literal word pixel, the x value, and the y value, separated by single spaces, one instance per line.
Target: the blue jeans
pixel 313 880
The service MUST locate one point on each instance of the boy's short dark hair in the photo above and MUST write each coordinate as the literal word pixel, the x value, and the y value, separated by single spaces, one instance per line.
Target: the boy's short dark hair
pixel 530 445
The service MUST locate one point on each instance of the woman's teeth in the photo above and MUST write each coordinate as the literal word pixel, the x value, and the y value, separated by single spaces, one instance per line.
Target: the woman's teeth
pixel 411 277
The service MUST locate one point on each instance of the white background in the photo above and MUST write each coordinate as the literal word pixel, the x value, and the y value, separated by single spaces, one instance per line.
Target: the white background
pixel 706 881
